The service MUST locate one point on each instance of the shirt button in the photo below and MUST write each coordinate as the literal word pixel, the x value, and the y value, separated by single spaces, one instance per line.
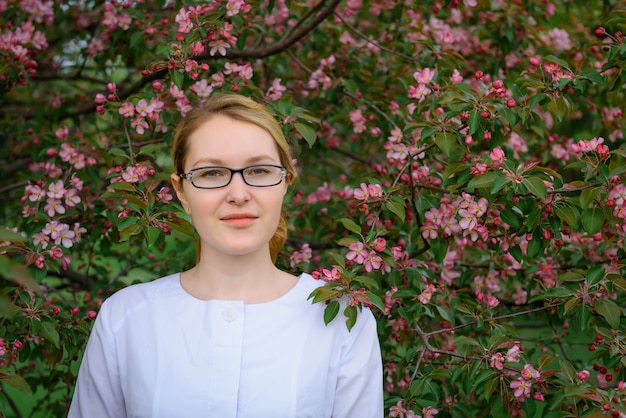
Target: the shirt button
pixel 229 314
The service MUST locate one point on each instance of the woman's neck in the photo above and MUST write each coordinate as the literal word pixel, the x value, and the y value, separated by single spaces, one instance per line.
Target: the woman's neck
pixel 251 278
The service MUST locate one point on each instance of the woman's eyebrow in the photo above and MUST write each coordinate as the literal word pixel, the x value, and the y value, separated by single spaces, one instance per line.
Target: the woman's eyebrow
pixel 216 161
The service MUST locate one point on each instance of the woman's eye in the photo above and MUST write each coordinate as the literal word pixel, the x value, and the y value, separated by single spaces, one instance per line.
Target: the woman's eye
pixel 258 171
pixel 212 173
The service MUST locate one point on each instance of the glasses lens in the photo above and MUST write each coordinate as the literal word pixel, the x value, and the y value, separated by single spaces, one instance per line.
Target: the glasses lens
pixel 210 177
pixel 263 175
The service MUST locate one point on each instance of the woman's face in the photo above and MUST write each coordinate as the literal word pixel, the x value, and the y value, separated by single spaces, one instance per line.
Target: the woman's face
pixel 236 219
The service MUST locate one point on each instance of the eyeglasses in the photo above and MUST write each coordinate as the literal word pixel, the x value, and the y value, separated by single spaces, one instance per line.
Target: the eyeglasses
pixel 214 177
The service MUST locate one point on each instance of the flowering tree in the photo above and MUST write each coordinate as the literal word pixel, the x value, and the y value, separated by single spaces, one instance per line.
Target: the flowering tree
pixel 461 171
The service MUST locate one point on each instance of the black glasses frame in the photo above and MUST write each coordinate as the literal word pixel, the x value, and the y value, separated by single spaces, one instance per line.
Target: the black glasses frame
pixel 189 176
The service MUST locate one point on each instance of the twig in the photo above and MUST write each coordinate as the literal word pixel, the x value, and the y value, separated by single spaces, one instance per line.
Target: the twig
pixel 495 318
pixel 373 42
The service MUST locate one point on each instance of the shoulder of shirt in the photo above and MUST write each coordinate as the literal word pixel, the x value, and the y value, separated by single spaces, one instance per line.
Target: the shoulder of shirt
pixel 365 317
pixel 136 297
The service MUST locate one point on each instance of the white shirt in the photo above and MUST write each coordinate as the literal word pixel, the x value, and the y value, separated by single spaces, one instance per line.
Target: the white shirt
pixel 156 351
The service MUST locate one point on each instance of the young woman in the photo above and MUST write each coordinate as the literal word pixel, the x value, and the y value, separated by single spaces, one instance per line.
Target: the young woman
pixel 234 336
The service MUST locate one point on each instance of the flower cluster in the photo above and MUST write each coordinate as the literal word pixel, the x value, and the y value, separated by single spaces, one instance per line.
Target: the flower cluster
pixel 451 217
pixel 522 386
pixel 423 78
pixel 303 255
pixel 57 197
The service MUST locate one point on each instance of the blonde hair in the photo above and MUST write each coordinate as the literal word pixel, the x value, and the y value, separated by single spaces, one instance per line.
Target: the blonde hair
pixel 243 109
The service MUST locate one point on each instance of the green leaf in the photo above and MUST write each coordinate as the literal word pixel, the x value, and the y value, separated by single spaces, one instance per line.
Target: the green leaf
pixel 571 276
pixel 592 220
pixel 330 311
pixel 474 122
pixel 397 208
pixel 516 252
pixel 446 142
pixel 536 186
pixel 178 78
pixel 509 217
pixel 594 275
pixel 349 85
pixel 587 196
pixel 537 98
pixel 439 247
pixel 376 301
pixel 323 293
pixel 534 245
pixel 567 214
pixel 17 382
pixel 558 107
pixel 7 308
pixel 556 60
pixel 48 331
pixel 594 76
pixel 12 236
pixel 483 180
pixel 610 311
pixel 122 185
pixel 567 370
pixel 307 132
pixel 118 153
pixel 350 225
pixel 152 234
pixel 350 313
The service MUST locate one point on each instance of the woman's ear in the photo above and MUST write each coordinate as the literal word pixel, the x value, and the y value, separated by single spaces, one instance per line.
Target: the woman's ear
pixel 177 183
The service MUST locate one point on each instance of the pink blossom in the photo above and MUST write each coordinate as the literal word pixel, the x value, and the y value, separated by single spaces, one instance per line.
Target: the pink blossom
pixel 521 388
pixel 380 244
pixel 143 108
pixel 303 255
pixel 201 88
pixel 520 296
pixel 425 76
pixel 429 230
pixel 357 252
pixel 468 219
pixel 42 239
pixel 65 236
pixel 233 7
pixel 56 190
pixel 497 361
pixel 55 253
pixel 512 355
pixel 53 206
pixel 492 301
pixel 330 275
pixel 418 92
pixel 529 372
pixel 218 46
pixel 184 21
pixel 139 124
pixel 426 294
pixel 72 198
pixel 358 121
pixel 127 109
pixel 429 411
pixel 62 133
pixel 497 155
pixel 583 375
pixel 361 193
pixel 375 190
pixel 372 261
pixel 34 193
pixel 456 77
pixel 276 91
pixel 164 195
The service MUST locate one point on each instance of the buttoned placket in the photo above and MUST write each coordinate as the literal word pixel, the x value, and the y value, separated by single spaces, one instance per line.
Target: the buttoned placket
pixel 226 319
